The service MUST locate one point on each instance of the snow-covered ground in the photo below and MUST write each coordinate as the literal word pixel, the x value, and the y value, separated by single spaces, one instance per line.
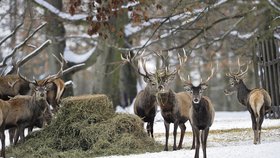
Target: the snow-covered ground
pixel 230 137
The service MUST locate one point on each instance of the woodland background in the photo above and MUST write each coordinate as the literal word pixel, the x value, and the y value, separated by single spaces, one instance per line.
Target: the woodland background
pixel 97 32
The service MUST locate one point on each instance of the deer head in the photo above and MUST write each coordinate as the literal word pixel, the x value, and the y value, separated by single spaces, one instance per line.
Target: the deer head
pixel 235 79
pixel 196 91
pixel 148 77
pixel 164 75
pixel 38 91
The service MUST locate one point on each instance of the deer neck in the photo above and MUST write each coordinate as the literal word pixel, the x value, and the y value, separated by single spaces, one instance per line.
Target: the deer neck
pixel 242 93
pixel 166 100
pixel 39 106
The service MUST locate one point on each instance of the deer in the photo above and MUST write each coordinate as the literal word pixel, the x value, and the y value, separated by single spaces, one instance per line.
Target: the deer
pixel 256 100
pixel 23 111
pixel 174 106
pixel 201 113
pixel 145 101
pixel 54 92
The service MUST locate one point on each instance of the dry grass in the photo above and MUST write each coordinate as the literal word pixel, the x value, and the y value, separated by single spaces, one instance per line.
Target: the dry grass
pixel 86 126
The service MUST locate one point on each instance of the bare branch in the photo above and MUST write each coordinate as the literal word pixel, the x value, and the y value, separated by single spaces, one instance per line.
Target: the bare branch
pixel 75 67
pixel 11 34
pixel 23 43
pixel 34 53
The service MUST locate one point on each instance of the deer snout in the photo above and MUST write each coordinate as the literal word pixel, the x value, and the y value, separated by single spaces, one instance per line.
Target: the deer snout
pixel 42 94
pixel 227 92
pixel 196 100
pixel 160 87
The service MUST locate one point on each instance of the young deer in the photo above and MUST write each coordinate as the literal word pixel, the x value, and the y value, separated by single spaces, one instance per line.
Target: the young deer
pixel 145 102
pixel 256 100
pixel 174 106
pixel 202 113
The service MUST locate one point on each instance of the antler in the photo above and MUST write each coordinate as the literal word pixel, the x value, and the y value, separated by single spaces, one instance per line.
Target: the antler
pixel 183 59
pixel 25 78
pixel 59 73
pixel 239 73
pixel 128 58
pixel 211 75
pixel 147 74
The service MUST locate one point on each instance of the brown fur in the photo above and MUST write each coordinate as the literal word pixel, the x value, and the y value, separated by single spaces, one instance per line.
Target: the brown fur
pixel 19 112
pixel 175 109
pixel 12 85
pixel 145 107
pixel 259 101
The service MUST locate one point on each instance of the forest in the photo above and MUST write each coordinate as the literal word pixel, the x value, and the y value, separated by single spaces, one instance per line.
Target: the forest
pixel 213 33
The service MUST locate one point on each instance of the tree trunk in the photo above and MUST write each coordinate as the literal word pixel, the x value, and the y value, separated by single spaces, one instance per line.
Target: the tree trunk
pixel 56 33
pixel 118 82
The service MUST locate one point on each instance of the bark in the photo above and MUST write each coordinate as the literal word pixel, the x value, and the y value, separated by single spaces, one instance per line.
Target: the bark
pixel 115 80
pixel 56 32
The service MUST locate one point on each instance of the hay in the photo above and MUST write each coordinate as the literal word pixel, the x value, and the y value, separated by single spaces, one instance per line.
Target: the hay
pixel 86 126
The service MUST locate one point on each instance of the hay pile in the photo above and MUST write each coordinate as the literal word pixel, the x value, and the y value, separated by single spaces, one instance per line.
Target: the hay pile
pixel 86 126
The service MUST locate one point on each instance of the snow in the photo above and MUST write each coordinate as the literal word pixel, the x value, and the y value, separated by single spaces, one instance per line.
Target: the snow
pixel 223 121
pixel 62 15
pixel 77 58
pixel 267 150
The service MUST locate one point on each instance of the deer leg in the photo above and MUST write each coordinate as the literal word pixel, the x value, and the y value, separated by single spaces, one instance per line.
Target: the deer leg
pixel 260 125
pixel 193 142
pixel 183 129
pixel 30 129
pixel 166 125
pixel 197 140
pixel 2 141
pixel 148 128
pixel 204 137
pixel 12 135
pixel 175 134
pixel 16 137
pixel 254 126
pixel 152 128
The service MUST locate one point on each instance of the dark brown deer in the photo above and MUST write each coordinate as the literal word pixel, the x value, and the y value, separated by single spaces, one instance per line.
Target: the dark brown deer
pixel 22 111
pixel 174 106
pixel 202 113
pixel 145 102
pixel 256 100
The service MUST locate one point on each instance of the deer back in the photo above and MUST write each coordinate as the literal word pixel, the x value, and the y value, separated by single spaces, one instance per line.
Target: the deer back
pixel 20 110
pixel 12 85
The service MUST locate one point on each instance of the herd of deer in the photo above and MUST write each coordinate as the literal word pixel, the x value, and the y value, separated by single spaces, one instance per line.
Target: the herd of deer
pixel 192 105
pixel 28 103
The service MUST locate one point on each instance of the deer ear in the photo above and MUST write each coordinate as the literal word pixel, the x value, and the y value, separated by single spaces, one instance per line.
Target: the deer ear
pixel 32 86
pixel 188 88
pixel 204 86
pixel 146 79
pixel 172 77
pixel 49 85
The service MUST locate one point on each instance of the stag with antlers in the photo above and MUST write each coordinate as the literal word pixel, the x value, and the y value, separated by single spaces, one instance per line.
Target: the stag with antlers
pixel 202 112
pixel 145 103
pixel 174 106
pixel 23 111
pixel 256 100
